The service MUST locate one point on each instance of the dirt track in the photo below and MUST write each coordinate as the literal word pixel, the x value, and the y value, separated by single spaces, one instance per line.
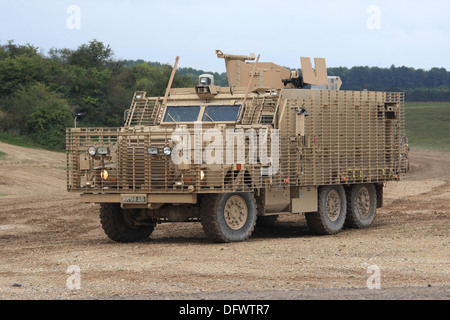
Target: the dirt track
pixel 44 230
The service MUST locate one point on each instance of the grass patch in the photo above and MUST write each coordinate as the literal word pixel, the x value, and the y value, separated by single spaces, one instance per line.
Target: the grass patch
pixel 23 141
pixel 3 155
pixel 3 194
pixel 428 125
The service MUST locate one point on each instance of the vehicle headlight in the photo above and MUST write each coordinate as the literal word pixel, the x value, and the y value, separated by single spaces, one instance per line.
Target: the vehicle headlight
pixel 167 150
pixel 202 175
pixel 103 151
pixel 92 151
pixel 152 150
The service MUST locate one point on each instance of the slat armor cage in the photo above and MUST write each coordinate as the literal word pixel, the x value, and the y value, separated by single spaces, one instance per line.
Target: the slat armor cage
pixel 324 138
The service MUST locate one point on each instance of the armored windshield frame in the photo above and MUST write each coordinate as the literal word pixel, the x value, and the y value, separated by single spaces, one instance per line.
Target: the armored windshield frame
pixel 203 113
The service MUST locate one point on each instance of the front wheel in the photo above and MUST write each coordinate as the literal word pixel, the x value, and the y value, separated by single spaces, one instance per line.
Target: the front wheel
pixel 228 217
pixel 332 212
pixel 118 227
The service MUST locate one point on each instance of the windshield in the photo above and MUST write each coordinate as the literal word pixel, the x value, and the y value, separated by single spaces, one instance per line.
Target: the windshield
pixel 221 113
pixel 182 114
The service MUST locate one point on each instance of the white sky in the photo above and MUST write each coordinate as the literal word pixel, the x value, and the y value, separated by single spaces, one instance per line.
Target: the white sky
pixel 404 33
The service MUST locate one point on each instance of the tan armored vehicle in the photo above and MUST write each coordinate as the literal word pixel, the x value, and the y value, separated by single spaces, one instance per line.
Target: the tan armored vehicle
pixel 274 142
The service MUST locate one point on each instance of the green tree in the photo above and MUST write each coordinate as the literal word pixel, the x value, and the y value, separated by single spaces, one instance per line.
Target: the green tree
pixel 19 71
pixel 50 116
pixel 92 55
pixel 154 79
pixel 38 112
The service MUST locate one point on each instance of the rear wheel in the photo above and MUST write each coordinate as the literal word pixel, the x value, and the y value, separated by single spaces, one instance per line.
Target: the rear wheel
pixel 118 225
pixel 228 217
pixel 330 218
pixel 362 206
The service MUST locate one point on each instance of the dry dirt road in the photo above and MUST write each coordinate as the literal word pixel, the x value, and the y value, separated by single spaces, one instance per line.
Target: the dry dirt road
pixel 44 230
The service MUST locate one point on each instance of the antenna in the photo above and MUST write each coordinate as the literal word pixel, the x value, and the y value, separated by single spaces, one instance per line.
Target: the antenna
pixel 251 79
pixel 171 80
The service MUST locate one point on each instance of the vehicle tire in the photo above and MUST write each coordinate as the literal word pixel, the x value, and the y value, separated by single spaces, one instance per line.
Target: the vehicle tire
pixel 228 217
pixel 361 206
pixel 330 218
pixel 116 226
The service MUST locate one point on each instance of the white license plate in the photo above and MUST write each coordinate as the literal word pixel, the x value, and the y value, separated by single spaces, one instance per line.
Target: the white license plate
pixel 137 198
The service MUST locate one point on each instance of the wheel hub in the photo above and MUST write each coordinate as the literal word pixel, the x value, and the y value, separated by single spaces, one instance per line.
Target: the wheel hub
pixel 363 201
pixel 333 205
pixel 235 212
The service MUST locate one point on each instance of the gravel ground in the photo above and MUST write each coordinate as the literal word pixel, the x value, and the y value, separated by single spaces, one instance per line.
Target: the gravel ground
pixel 45 231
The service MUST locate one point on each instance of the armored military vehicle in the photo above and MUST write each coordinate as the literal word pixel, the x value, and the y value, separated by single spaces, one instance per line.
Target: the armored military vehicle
pixel 273 142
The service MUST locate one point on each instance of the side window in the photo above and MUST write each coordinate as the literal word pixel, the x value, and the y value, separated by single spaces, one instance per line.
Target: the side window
pixel 221 113
pixel 182 114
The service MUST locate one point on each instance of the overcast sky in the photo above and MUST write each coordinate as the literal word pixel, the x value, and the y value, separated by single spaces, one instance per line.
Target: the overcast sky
pixel 347 33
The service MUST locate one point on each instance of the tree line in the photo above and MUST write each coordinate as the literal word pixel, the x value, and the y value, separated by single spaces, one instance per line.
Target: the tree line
pixel 418 84
pixel 40 92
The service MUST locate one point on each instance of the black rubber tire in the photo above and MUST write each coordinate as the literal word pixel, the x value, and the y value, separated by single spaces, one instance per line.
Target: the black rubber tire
pixel 212 217
pixel 320 222
pixel 116 227
pixel 355 219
